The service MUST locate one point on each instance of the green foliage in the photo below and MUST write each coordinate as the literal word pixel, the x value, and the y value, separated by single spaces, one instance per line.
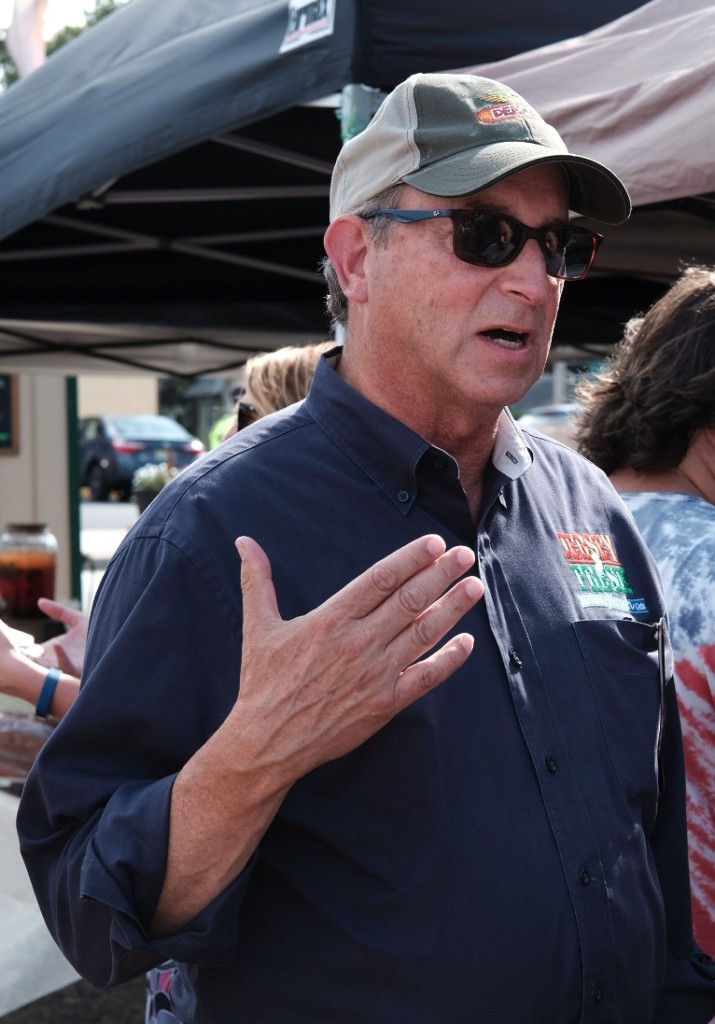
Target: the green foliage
pixel 101 9
pixel 153 476
pixel 63 36
pixel 8 71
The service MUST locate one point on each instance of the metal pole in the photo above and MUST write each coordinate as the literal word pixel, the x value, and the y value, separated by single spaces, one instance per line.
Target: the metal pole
pixel 76 558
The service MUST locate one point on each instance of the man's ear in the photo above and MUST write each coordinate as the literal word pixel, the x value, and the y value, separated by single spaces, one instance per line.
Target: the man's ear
pixel 346 243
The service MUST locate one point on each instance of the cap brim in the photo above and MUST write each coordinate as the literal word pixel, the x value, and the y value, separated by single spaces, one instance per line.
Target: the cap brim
pixel 594 191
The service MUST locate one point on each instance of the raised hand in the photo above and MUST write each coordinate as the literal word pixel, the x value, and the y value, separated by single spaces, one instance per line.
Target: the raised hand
pixel 67 650
pixel 312 688
pixel 322 683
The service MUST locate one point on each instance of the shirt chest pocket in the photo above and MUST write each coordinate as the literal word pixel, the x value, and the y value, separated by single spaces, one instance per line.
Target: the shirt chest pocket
pixel 627 665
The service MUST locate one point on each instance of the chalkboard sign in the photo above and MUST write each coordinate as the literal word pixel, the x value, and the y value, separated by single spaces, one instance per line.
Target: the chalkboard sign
pixel 8 414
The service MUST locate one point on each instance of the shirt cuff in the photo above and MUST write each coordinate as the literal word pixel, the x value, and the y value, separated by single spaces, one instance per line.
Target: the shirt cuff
pixel 123 869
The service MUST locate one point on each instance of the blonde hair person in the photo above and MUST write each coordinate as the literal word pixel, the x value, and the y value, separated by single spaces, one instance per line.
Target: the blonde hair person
pixel 275 380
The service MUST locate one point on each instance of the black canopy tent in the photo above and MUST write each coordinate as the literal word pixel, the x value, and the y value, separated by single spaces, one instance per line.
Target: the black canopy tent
pixel 165 176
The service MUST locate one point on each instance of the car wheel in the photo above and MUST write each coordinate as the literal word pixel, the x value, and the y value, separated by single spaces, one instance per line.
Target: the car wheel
pixel 97 484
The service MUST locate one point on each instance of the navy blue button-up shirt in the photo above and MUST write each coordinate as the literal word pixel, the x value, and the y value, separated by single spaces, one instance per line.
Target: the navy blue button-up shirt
pixel 503 851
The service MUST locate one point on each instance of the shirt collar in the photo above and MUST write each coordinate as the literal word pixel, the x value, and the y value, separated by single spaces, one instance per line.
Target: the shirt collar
pixel 511 454
pixel 383 447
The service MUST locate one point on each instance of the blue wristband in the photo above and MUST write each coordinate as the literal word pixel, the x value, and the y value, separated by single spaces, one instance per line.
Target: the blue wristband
pixel 47 692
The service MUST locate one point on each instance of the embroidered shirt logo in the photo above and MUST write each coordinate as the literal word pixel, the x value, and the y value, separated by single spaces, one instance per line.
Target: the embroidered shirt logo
pixel 602 581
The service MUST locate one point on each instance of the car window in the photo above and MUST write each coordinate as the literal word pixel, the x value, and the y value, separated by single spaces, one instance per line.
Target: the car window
pixel 149 428
pixel 88 430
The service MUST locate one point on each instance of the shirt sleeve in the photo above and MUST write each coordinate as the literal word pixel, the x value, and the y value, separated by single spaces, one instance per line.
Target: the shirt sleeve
pixel 161 675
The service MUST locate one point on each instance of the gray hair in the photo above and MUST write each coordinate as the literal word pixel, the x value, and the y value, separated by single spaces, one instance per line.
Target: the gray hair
pixel 336 301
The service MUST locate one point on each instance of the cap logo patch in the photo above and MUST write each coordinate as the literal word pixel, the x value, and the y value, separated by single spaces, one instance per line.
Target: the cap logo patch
pixel 498 112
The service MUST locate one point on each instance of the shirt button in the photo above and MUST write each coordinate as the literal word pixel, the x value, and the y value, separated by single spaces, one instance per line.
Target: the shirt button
pixel 584 877
pixel 597 994
pixel 403 496
pixel 514 658
pixel 438 462
pixel 551 764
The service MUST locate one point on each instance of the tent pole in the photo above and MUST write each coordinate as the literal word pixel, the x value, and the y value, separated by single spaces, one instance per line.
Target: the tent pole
pixel 73 491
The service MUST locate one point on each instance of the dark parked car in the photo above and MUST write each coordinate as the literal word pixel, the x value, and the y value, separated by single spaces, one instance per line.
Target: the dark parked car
pixel 111 448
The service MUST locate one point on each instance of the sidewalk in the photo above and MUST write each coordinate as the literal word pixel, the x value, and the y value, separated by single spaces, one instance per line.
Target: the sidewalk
pixel 32 965
pixel 98 544
pixel 81 1003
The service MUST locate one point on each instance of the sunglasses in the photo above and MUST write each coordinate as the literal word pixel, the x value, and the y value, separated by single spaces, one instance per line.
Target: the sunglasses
pixel 247 414
pixel 494 239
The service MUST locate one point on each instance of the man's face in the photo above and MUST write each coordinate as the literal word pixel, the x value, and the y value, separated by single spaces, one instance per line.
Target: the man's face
pixel 461 338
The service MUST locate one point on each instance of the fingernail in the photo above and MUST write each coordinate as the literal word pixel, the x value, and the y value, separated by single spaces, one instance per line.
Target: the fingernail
pixel 435 546
pixel 467 642
pixel 465 557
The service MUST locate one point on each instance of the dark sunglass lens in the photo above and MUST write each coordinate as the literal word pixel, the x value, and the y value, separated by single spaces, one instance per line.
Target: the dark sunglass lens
pixel 486 239
pixel 555 245
pixel 246 414
pixel 568 252
pixel 494 239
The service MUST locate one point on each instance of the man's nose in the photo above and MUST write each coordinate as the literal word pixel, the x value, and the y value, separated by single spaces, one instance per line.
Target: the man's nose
pixel 527 273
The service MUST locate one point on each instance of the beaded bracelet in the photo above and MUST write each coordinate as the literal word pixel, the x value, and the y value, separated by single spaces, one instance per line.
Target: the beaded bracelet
pixel 47 692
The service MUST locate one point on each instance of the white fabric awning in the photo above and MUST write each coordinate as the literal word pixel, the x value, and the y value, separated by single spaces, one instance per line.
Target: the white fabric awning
pixel 636 94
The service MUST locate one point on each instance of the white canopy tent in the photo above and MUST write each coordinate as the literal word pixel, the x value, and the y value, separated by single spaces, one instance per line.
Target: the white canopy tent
pixel 639 95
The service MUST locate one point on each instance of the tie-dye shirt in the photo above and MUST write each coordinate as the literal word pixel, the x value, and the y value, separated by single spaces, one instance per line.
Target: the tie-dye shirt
pixel 679 529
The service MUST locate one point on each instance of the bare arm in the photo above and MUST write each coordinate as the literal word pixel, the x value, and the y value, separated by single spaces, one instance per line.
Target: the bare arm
pixel 21 676
pixel 312 689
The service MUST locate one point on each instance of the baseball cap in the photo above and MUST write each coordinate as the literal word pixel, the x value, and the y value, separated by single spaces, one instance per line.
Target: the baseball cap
pixel 452 135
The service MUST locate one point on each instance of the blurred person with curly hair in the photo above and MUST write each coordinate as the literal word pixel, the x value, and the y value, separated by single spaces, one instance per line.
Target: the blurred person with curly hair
pixel 649 423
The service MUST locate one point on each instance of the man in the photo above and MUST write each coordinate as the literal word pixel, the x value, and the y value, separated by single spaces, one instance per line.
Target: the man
pixel 373 825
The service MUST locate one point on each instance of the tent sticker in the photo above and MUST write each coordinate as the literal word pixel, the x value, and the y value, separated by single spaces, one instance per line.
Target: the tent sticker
pixel 308 20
